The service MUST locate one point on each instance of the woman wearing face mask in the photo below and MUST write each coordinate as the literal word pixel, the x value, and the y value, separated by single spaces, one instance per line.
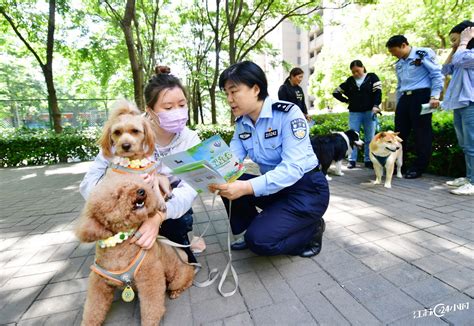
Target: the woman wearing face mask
pixel 363 92
pixel 167 110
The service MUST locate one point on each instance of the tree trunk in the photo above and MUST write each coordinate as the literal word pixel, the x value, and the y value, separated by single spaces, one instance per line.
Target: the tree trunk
pixel 137 68
pixel 54 113
pixel 194 102
pixel 48 70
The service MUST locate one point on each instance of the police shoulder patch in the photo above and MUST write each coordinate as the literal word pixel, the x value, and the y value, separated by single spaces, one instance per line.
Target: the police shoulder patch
pixel 299 128
pixel 281 106
pixel 421 53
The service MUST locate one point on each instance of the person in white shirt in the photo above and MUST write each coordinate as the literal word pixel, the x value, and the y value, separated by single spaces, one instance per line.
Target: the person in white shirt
pixel 167 109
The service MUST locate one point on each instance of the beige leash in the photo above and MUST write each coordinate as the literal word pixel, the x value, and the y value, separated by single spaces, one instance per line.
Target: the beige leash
pixel 214 272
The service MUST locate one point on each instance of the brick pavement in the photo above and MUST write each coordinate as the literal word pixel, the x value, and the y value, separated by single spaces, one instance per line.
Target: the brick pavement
pixel 387 253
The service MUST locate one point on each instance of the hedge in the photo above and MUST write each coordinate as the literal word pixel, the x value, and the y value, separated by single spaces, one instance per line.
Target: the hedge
pixel 21 147
pixel 447 158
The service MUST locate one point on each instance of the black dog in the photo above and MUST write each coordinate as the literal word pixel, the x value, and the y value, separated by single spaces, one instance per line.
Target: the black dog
pixel 334 147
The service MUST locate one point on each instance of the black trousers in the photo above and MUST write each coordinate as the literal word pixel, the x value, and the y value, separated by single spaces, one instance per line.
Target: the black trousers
pixel 408 119
pixel 177 231
pixel 288 220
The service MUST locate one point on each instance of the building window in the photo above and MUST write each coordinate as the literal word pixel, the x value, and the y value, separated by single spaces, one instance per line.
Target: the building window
pixel 298 45
pixel 311 55
pixel 298 60
pixel 311 37
pixel 311 70
pixel 298 31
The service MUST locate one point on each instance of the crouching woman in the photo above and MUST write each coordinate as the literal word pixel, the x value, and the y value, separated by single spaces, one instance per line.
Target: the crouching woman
pixel 291 192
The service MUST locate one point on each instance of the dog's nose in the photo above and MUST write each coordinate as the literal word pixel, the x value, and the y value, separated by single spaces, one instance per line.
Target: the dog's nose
pixel 141 192
pixel 126 146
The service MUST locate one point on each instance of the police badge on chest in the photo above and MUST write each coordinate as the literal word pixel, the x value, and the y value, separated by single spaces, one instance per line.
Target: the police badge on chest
pixel 271 133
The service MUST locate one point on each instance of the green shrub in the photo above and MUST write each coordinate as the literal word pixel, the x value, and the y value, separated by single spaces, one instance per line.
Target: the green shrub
pixel 23 146
pixel 206 131
pixel 19 147
pixel 447 158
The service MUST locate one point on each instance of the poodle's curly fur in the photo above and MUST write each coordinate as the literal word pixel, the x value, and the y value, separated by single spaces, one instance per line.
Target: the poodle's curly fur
pixel 127 133
pixel 119 204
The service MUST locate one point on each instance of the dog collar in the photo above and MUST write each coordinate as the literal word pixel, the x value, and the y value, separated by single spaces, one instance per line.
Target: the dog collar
pixel 133 166
pixel 115 239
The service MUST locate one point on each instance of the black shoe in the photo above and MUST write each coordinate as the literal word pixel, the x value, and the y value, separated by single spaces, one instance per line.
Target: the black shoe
pixel 369 165
pixel 239 244
pixel 351 165
pixel 412 175
pixel 315 245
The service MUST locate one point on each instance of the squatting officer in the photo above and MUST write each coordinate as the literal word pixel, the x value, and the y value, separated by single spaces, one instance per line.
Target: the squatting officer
pixel 419 81
pixel 291 192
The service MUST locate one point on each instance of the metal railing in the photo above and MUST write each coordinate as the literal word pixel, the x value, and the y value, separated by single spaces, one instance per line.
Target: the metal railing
pixel 34 113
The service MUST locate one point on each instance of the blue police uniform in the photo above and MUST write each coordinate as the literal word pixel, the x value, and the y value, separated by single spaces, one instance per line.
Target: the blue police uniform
pixel 419 78
pixel 291 192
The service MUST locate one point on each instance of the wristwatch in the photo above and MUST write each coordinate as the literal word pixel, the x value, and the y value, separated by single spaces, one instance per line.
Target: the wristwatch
pixel 434 97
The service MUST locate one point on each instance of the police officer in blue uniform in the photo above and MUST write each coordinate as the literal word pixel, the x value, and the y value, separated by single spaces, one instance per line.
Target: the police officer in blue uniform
pixel 419 81
pixel 292 193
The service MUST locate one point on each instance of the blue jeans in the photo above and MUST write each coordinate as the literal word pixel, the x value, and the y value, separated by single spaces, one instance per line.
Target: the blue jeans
pixel 356 119
pixel 464 127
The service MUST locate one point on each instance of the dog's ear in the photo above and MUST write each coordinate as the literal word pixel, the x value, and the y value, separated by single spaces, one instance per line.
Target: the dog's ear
pixel 105 141
pixel 398 139
pixel 149 137
pixel 89 229
pixel 379 135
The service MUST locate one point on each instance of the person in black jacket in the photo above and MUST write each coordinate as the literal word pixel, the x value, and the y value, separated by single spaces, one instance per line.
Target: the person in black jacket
pixel 292 92
pixel 363 92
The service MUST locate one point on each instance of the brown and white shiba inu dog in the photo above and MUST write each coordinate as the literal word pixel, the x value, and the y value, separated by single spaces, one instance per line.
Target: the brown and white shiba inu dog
pixel 385 151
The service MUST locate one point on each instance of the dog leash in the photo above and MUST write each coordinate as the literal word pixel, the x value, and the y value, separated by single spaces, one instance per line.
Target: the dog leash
pixel 213 273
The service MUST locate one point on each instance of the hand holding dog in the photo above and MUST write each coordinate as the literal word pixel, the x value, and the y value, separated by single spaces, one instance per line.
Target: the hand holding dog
pixel 149 230
pixel 233 190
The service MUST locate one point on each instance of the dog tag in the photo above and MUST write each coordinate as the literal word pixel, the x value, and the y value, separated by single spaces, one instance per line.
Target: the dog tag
pixel 128 295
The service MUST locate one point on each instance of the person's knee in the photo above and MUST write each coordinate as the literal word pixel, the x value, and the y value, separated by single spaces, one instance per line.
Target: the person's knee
pixel 259 244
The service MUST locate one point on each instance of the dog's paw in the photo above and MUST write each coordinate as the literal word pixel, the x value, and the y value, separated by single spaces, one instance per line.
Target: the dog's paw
pixel 399 175
pixel 339 173
pixel 328 178
pixel 377 182
pixel 387 185
pixel 162 207
pixel 175 294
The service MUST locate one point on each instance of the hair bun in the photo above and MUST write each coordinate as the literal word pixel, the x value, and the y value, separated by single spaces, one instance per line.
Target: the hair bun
pixel 162 70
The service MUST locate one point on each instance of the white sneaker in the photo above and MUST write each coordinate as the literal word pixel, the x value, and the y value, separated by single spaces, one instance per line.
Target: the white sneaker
pixel 467 190
pixel 457 182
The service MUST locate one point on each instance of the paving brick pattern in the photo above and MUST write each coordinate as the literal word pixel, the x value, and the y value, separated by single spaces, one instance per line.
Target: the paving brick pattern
pixel 387 254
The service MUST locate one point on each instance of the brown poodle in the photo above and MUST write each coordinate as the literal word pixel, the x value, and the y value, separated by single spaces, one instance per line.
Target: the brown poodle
pixel 128 140
pixel 119 204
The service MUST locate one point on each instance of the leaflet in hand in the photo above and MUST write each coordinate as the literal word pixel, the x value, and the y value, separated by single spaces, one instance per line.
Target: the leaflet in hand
pixel 208 162
pixel 427 109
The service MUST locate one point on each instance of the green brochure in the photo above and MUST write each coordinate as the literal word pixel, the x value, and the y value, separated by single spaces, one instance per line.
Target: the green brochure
pixel 211 161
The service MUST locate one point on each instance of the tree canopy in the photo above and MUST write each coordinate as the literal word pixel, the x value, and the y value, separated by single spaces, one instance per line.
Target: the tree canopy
pixel 107 49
